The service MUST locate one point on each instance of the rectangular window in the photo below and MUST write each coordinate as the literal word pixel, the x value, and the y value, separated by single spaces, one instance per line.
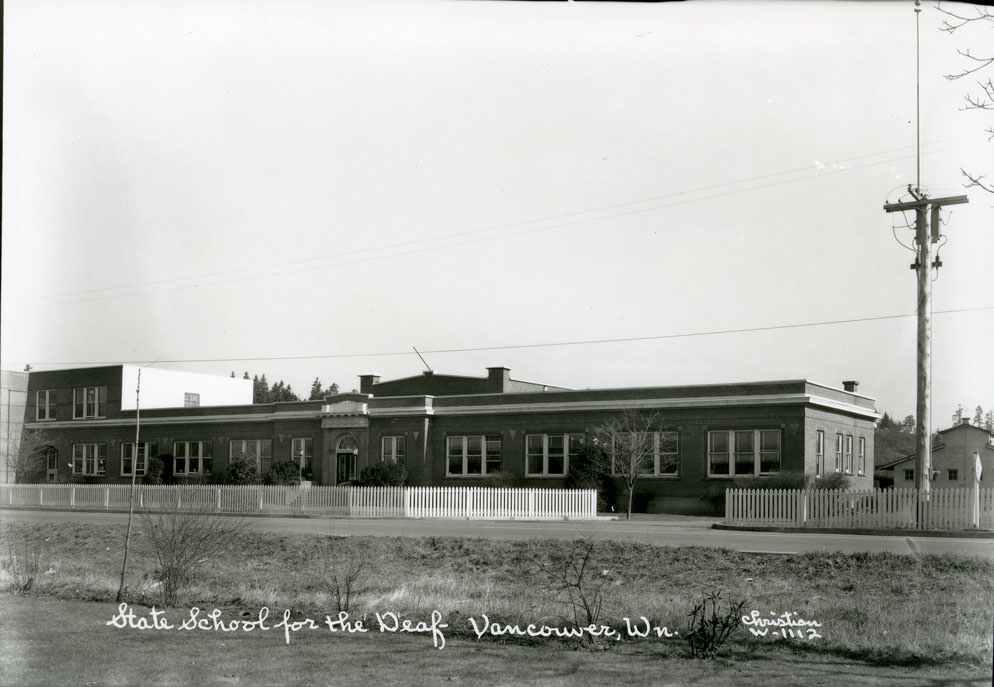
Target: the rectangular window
pixel 191 400
pixel 718 453
pixel 45 405
pixel 89 459
pixel 861 458
pixel 953 475
pixel 769 451
pixel 88 402
pixel 658 453
pixel 744 452
pixel 848 456
pixel 473 455
pixel 909 475
pixel 145 450
pixel 550 454
pixel 393 449
pixel 192 458
pixel 258 452
pixel 302 454
pixel 838 453
pixel 820 454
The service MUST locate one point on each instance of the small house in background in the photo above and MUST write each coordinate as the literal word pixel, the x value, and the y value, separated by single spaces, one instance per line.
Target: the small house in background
pixel 450 430
pixel 953 452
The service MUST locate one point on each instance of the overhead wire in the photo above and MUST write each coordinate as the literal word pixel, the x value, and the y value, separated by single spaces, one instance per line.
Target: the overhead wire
pixel 57 300
pixel 548 344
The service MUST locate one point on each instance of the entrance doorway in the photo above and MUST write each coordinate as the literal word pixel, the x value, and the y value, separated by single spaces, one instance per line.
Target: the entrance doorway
pixel 346 454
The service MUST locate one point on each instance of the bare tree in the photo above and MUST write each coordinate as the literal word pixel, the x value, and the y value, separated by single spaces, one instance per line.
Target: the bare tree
pixel 629 443
pixel 30 462
pixel 984 99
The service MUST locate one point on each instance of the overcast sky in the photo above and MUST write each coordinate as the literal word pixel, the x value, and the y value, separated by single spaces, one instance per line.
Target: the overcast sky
pixel 343 181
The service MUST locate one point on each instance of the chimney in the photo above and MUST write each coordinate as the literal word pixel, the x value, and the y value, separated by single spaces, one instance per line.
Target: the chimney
pixel 498 376
pixel 366 383
pixel 850 386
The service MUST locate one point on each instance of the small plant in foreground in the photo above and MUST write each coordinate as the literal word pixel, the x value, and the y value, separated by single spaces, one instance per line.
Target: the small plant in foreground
pixel 585 588
pixel 23 569
pixel 710 625
pixel 346 584
pixel 182 542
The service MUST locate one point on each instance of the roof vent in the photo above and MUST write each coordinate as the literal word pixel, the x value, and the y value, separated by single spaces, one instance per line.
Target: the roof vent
pixel 850 386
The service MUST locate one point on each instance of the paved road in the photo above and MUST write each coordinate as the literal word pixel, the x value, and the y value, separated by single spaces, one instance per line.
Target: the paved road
pixel 660 530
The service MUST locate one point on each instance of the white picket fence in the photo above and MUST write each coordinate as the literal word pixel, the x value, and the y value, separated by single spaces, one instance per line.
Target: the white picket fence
pixel 362 502
pixel 956 508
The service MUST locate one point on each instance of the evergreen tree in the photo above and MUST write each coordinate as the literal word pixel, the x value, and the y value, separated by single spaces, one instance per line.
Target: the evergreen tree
pixel 978 417
pixel 282 392
pixel 316 392
pixel 958 415
pixel 989 421
pixel 260 390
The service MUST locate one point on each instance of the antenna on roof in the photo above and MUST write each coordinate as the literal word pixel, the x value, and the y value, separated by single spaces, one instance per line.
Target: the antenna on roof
pixel 423 360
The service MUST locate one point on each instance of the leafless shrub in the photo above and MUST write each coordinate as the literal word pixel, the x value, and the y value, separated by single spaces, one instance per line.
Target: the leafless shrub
pixel 710 624
pixel 346 583
pixel 183 541
pixel 573 573
pixel 23 568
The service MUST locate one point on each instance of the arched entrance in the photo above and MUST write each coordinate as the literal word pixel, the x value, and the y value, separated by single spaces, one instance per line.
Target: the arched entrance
pixel 346 457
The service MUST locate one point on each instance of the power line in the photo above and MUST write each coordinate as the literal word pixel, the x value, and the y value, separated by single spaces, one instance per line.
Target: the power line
pixel 66 297
pixel 585 342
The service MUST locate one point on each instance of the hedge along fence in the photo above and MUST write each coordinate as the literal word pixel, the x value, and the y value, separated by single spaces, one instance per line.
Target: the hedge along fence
pixel 954 508
pixel 362 502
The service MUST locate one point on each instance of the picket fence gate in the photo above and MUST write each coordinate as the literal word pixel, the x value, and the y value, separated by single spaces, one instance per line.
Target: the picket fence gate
pixel 950 508
pixel 483 503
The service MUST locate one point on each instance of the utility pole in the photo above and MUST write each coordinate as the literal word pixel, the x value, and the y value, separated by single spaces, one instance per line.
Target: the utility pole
pixel 134 470
pixel 925 208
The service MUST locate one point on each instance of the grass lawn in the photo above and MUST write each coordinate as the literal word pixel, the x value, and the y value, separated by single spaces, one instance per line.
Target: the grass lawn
pixel 882 616
pixel 46 641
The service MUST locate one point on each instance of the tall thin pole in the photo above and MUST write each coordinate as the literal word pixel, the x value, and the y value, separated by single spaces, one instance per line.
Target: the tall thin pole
pixel 918 99
pixel 134 469
pixel 923 429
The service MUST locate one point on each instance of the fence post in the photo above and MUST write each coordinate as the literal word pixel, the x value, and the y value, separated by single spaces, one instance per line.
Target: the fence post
pixel 107 498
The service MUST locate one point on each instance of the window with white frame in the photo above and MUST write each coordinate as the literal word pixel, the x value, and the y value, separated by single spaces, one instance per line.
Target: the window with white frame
pixel 257 452
pixel 192 458
pixel 658 453
pixel 820 453
pixel 89 459
pixel 909 475
pixel 847 461
pixel 744 452
pixel 472 455
pixel 88 402
pixel 128 459
pixel 393 449
pixel 550 454
pixel 861 457
pixel 302 454
pixel 838 452
pixel 953 475
pixel 45 404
